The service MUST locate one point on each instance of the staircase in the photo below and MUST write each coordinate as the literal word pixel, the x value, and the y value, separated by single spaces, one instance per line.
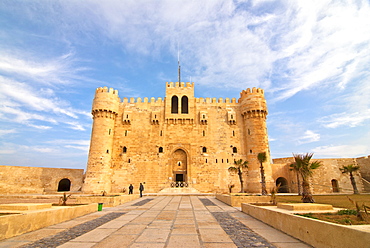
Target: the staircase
pixel 179 191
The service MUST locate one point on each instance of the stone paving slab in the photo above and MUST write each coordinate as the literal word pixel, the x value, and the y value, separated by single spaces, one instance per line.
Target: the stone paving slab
pixel 165 221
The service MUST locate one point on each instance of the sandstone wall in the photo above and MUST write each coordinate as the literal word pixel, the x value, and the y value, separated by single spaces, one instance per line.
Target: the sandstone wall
pixel 36 180
pixel 321 181
pixel 364 163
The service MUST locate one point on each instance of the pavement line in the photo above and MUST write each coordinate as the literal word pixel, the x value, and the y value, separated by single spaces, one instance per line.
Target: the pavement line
pixel 74 232
pixel 142 202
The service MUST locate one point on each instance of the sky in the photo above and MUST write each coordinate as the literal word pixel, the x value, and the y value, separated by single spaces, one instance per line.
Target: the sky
pixel 312 58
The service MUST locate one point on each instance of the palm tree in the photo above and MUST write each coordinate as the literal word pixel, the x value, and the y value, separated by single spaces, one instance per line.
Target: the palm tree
pixel 262 158
pixel 294 167
pixel 238 168
pixel 306 169
pixel 349 169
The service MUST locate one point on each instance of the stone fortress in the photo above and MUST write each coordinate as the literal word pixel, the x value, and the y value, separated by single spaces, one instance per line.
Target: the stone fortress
pixel 179 142
pixel 184 141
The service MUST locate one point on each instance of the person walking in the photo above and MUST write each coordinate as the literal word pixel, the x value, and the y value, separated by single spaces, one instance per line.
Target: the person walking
pixel 130 189
pixel 141 189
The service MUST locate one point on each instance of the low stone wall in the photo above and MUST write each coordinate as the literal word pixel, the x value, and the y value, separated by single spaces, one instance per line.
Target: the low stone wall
pixel 314 232
pixel 25 221
pixel 37 180
pixel 108 201
pixel 236 199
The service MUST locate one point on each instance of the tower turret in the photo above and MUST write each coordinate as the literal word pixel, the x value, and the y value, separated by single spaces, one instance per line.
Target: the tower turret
pixel 254 111
pixel 104 110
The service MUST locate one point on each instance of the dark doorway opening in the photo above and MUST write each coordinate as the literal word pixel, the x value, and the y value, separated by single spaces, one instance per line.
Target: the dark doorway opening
pixel 179 177
pixel 64 185
pixel 334 184
pixel 283 185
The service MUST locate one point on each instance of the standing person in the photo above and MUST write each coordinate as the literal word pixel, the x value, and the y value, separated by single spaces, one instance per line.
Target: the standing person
pixel 141 188
pixel 130 189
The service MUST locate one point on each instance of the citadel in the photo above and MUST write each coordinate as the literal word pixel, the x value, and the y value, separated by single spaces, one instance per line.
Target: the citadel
pixel 179 142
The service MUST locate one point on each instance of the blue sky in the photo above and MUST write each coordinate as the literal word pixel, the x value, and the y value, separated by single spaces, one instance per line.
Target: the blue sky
pixel 312 58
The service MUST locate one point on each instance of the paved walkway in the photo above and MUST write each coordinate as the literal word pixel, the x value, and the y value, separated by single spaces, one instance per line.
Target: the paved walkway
pixel 162 221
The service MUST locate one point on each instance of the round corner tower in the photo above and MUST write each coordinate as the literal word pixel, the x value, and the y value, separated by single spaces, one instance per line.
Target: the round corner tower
pixel 253 108
pixel 104 111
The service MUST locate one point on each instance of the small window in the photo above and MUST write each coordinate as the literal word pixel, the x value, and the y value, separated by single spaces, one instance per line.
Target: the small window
pixel 179 164
pixel 204 133
pixel 125 132
pixel 216 160
pixel 155 116
pixel 161 133
pixel 109 131
pixel 124 150
pixel 235 150
pixel 107 151
pixel 184 105
pixel 126 116
pixel 233 133
pixel 204 149
pixel 206 160
pixel 232 117
pixel 249 132
pixel 174 105
pixel 204 116
pixel 227 160
pixel 222 161
pixel 129 161
pixel 250 151
pixel 160 150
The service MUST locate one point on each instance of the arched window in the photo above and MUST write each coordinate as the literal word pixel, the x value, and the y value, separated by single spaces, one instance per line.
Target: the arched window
pixel 235 150
pixel 204 149
pixel 124 150
pixel 160 150
pixel 174 105
pixel 233 133
pixel 64 185
pixel 184 105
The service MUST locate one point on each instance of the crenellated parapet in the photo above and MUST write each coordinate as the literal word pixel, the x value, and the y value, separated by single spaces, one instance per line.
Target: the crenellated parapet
pixel 106 102
pixel 180 84
pixel 253 103
pixel 215 100
pixel 253 91
pixel 145 100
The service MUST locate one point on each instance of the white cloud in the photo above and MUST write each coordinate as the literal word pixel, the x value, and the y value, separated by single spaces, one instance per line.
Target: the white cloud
pixel 342 151
pixel 7 131
pixel 82 148
pixel 70 142
pixel 345 119
pixel 309 137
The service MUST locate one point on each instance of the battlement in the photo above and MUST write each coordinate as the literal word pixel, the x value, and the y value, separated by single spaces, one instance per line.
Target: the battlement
pixel 179 84
pixel 253 91
pixel 139 100
pixel 106 90
pixel 215 100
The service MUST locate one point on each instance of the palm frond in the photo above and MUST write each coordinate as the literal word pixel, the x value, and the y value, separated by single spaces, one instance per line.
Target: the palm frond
pixel 233 169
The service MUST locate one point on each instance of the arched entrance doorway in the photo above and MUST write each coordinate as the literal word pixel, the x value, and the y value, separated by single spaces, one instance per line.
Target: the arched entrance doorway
pixel 64 185
pixel 283 185
pixel 179 166
pixel 335 186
